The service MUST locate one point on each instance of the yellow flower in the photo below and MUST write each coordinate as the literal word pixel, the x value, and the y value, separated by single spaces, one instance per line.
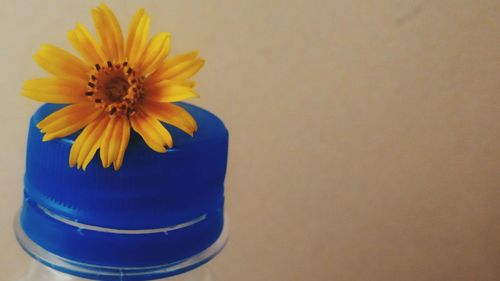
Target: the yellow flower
pixel 119 84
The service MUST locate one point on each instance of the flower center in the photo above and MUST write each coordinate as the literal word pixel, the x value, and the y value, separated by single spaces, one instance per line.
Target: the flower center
pixel 116 88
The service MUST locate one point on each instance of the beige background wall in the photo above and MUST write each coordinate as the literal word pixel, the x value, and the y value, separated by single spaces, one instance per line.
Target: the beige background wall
pixel 364 134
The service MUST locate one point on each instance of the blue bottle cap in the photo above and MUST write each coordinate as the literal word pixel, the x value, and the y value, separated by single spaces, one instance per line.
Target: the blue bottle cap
pixel 157 210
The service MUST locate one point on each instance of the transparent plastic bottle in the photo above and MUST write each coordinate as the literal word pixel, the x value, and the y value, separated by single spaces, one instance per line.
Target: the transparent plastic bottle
pixel 42 267
pixel 40 272
pixel 160 217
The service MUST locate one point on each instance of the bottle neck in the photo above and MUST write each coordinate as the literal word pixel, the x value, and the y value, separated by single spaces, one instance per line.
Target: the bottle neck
pixel 40 272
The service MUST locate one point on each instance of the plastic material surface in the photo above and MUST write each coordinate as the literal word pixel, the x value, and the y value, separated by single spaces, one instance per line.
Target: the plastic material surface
pixel 40 272
pixel 158 209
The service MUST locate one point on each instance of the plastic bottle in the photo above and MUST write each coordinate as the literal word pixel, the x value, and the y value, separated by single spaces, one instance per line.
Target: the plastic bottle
pixel 160 217
pixel 40 272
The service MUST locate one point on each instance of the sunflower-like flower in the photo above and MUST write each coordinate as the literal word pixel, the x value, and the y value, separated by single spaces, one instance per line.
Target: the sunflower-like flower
pixel 120 84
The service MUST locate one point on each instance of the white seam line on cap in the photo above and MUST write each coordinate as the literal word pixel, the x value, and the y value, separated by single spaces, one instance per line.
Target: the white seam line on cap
pixel 123 231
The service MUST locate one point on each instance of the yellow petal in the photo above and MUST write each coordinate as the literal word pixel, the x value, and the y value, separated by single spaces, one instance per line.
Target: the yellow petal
pixel 149 136
pixel 66 115
pixel 106 141
pixel 60 63
pixel 190 84
pixel 55 90
pixel 160 130
pixel 109 32
pixel 181 58
pixel 115 138
pixel 185 70
pixel 87 143
pixel 158 75
pixel 171 114
pixel 124 139
pixel 81 139
pixel 94 142
pixel 152 131
pixel 137 36
pixel 85 44
pixel 152 85
pixel 169 92
pixel 155 53
pixel 68 120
